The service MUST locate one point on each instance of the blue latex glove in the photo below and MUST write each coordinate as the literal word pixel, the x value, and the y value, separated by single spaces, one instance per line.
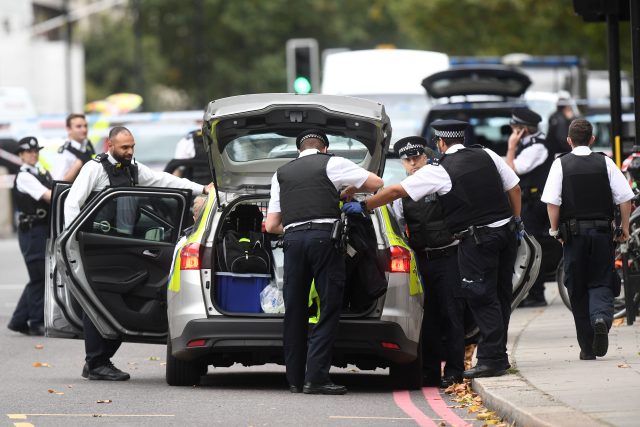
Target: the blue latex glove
pixel 519 228
pixel 352 208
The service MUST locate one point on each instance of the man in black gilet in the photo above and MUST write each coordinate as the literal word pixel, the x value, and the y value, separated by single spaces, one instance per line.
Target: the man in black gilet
pixel 529 156
pixel 32 196
pixel 304 205
pixel 480 197
pixel 437 253
pixel 580 193
pixel 116 168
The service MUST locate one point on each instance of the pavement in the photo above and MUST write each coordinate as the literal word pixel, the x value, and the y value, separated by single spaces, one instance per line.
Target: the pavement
pixel 550 386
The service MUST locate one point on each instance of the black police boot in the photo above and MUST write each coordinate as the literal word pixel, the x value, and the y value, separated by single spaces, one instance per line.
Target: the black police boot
pixel 327 388
pixel 36 330
pixel 600 337
pixel 480 371
pixel 23 329
pixel 586 355
pixel 85 370
pixel 108 372
pixel 447 382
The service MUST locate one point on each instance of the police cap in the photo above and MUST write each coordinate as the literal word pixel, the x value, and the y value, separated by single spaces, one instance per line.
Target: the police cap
pixel 449 128
pixel 524 117
pixel 28 143
pixel 312 133
pixel 410 146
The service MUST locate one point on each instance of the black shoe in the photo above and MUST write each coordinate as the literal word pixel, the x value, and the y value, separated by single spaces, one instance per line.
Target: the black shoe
pixel 600 337
pixel 23 329
pixel 447 382
pixel 85 370
pixel 108 372
pixel 586 356
pixel 328 388
pixel 531 302
pixel 430 381
pixel 483 371
pixel 295 389
pixel 36 330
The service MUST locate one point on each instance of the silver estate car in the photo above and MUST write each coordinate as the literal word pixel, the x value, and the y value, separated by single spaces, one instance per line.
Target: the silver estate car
pixel 136 281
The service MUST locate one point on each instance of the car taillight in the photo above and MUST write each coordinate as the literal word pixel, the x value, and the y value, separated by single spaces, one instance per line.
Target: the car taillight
pixel 400 260
pixel 190 257
pixel 196 343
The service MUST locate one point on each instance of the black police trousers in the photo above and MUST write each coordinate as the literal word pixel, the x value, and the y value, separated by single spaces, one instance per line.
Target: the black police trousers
pixel 310 255
pixel 30 308
pixel 486 271
pixel 443 317
pixel 588 276
pixel 98 350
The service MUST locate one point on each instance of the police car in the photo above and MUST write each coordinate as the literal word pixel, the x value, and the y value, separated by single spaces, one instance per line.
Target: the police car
pixel 131 285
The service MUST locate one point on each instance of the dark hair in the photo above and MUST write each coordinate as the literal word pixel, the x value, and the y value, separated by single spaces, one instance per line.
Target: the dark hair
pixel 316 143
pixel 117 130
pixel 74 116
pixel 580 132
pixel 452 141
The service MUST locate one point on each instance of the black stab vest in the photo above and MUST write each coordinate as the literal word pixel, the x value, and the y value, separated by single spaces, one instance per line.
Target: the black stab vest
pixel 25 203
pixel 586 192
pixel 476 196
pixel 426 224
pixel 532 182
pixel 119 176
pixel 78 153
pixel 306 192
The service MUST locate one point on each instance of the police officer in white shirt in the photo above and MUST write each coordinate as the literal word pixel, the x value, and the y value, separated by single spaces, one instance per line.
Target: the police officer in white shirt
pixel 529 156
pixel 580 193
pixel 304 205
pixel 116 168
pixel 76 150
pixel 32 196
pixel 480 197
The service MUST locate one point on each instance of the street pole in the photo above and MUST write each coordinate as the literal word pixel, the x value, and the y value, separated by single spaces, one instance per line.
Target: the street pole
pixel 68 62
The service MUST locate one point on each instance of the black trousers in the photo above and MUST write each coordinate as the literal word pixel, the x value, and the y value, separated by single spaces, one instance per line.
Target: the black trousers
pixel 30 308
pixel 443 317
pixel 486 271
pixel 98 349
pixel 310 255
pixel 588 276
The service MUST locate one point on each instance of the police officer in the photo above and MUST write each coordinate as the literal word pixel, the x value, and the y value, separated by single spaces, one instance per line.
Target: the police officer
pixel 437 253
pixel 530 158
pixel 192 147
pixel 559 126
pixel 116 168
pixel 480 197
pixel 76 150
pixel 305 205
pixel 32 195
pixel 580 193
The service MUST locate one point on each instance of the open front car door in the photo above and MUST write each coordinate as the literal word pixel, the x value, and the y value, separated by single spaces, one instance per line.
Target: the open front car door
pixel 115 257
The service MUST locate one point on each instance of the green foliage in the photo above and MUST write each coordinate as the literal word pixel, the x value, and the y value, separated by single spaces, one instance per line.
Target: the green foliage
pixel 214 48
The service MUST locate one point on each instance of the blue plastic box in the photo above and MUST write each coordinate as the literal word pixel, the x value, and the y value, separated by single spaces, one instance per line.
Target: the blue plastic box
pixel 240 293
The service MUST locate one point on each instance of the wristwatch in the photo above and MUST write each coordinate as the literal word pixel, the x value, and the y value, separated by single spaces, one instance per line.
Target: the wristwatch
pixel 554 233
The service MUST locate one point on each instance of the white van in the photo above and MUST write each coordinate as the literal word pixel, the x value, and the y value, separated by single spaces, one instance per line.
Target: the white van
pixel 392 77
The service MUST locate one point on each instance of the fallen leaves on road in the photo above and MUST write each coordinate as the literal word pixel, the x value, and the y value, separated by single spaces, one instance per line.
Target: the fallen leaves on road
pixel 104 401
pixel 623 365
pixel 40 365
pixel 52 391
pixel 467 398
pixel 468 356
pixel 618 322
pixel 39 346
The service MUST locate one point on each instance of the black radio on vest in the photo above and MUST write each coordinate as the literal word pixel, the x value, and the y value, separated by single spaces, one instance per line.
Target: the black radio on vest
pixel 120 175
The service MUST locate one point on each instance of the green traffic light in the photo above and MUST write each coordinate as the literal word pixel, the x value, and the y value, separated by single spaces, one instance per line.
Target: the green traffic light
pixel 302 85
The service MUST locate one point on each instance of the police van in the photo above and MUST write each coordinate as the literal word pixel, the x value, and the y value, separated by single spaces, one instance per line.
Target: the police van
pixel 203 302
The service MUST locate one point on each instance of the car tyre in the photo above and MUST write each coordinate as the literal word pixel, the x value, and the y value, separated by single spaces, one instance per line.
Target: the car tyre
pixel 407 376
pixel 181 372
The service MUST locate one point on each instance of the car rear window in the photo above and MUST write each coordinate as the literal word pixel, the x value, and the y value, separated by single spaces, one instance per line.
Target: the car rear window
pixel 273 146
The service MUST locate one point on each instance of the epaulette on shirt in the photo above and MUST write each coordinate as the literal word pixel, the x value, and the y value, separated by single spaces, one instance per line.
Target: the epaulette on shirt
pixel 434 161
pixel 64 146
pixel 101 157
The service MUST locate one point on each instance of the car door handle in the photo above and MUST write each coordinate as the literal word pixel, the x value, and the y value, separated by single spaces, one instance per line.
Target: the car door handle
pixel 151 253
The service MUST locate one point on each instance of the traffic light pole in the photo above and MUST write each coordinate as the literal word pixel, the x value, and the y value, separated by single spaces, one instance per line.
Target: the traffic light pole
pixel 613 44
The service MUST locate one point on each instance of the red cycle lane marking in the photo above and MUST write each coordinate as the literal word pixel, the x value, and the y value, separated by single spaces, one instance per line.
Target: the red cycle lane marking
pixel 403 400
pixel 432 395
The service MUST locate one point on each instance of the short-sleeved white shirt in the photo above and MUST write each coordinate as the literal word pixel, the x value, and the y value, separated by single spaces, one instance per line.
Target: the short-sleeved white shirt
pixel 185 148
pixel 435 179
pixel 532 156
pixel 620 188
pixel 93 177
pixel 66 159
pixel 340 171
pixel 27 183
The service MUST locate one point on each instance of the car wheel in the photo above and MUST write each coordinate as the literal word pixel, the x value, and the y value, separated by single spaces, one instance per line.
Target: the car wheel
pixel 183 373
pixel 407 376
